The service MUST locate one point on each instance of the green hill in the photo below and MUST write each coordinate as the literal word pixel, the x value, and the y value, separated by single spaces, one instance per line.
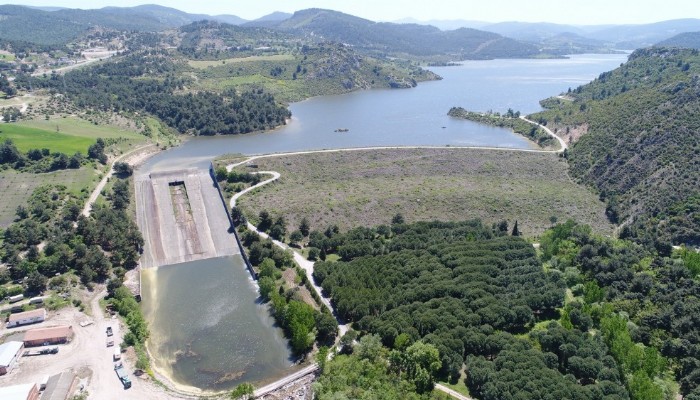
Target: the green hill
pixel 641 143
pixel 413 39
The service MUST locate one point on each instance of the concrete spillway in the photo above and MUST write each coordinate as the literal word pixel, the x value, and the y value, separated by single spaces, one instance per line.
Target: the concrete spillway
pixel 182 218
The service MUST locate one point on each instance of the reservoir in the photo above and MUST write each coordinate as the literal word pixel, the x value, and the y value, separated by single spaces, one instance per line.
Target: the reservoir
pixel 207 328
pixel 409 117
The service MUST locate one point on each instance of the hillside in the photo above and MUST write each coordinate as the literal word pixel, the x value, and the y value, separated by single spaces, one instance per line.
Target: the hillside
pixel 688 40
pixel 643 35
pixel 61 26
pixel 641 143
pixel 225 56
pixel 413 39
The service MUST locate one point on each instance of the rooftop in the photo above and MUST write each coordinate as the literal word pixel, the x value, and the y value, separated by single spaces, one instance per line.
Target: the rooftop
pixel 16 392
pixel 7 353
pixel 28 314
pixel 48 333
pixel 59 386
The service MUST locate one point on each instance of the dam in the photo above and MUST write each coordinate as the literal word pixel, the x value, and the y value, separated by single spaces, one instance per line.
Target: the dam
pixel 209 331
pixel 182 218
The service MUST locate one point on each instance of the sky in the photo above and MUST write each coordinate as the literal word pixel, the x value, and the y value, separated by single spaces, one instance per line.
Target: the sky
pixel 576 12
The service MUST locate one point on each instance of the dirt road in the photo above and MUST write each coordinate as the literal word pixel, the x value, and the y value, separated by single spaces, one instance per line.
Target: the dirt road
pixel 306 265
pixel 132 156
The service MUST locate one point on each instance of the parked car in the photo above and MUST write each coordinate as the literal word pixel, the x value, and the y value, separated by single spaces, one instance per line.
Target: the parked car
pixel 109 331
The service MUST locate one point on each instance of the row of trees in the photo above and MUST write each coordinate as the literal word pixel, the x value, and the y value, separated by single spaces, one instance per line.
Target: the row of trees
pixel 302 323
pixel 43 160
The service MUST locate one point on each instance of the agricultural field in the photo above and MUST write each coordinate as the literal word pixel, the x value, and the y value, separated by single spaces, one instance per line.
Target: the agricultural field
pixel 66 135
pixel 367 188
pixel 26 138
pixel 16 187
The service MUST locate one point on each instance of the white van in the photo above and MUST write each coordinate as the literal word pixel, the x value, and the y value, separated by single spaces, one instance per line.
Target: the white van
pixel 117 353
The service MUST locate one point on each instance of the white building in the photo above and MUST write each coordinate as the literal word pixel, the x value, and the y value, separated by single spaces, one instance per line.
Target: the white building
pixel 10 352
pixel 27 317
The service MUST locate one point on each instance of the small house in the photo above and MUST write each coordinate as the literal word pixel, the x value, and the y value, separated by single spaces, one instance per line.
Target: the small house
pixel 27 317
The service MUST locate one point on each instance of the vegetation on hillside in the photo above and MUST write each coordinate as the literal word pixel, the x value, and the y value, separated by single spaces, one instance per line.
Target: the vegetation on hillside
pixel 641 145
pixel 50 237
pixel 144 82
pixel 410 39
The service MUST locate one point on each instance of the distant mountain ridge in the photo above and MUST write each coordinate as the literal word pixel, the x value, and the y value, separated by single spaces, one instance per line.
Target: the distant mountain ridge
pixel 689 40
pixel 613 36
pixel 414 39
pixel 54 25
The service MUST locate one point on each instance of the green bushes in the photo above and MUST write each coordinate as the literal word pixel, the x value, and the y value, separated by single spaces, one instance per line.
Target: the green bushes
pixel 126 305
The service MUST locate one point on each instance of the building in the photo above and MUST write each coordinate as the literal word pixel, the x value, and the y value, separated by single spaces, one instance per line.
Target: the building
pixel 28 391
pixel 60 386
pixel 47 336
pixel 27 317
pixel 10 352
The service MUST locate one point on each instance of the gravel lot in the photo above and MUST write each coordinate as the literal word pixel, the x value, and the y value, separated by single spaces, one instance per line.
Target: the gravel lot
pixel 87 355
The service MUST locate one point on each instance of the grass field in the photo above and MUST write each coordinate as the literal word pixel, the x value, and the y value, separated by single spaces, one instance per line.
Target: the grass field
pixel 369 187
pixel 66 135
pixel 217 63
pixel 16 187
pixel 26 138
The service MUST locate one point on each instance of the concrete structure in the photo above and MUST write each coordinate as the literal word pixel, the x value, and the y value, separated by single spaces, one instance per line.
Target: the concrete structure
pixel 10 352
pixel 182 218
pixel 60 386
pixel 28 391
pixel 47 336
pixel 26 318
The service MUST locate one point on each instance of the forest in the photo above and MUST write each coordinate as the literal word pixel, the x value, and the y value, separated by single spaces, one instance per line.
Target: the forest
pixel 584 317
pixel 148 82
pixel 50 237
pixel 640 145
